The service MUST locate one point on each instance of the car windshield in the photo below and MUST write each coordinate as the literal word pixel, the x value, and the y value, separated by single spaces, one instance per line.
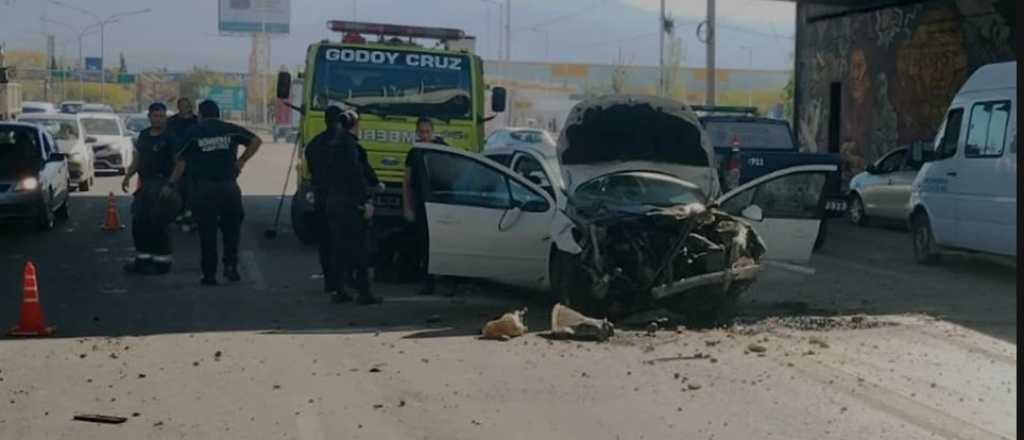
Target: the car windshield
pixel 101 127
pixel 19 150
pixel 60 129
pixel 532 137
pixel 636 189
pixel 387 82
pixel 71 108
pixel 137 123
pixel 750 135
pixel 33 110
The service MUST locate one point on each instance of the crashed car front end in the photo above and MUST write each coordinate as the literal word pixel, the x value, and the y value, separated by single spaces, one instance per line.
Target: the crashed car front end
pixel 686 258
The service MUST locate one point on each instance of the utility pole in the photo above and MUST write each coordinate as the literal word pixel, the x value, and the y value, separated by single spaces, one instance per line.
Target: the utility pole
pixel 661 49
pixel 508 30
pixel 710 98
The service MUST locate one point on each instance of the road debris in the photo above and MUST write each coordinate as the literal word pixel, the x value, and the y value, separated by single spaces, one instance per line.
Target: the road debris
pixel 98 418
pixel 757 348
pixel 567 323
pixel 509 325
pixel 692 386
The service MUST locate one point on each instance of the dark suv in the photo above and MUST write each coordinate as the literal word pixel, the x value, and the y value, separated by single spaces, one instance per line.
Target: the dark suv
pixel 34 177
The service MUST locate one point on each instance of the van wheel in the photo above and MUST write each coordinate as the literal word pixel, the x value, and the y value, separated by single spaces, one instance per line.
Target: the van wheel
pixel 856 213
pixel 925 251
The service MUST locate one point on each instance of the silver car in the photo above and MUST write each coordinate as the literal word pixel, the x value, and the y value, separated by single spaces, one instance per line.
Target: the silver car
pixel 882 191
pixel 71 139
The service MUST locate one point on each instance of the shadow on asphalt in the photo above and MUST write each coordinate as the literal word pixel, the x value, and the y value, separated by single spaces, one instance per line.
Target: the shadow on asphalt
pixel 84 292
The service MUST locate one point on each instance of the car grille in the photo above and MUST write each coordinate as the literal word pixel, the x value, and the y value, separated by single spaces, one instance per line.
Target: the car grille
pixel 100 148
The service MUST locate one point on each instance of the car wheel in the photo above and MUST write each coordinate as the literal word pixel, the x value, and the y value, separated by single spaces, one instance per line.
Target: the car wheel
pixel 856 213
pixel 925 250
pixel 46 220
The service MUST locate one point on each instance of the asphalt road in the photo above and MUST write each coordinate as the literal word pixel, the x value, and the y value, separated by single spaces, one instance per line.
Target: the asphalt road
pixel 919 352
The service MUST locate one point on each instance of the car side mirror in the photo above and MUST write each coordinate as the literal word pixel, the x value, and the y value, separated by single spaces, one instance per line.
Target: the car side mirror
pixel 284 85
pixel 57 157
pixel 91 139
pixel 498 98
pixel 753 212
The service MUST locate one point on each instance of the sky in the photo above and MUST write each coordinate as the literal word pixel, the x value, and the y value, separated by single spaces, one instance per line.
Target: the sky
pixel 179 34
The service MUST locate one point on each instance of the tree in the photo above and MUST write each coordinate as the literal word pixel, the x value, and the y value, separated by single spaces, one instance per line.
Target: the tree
pixel 193 82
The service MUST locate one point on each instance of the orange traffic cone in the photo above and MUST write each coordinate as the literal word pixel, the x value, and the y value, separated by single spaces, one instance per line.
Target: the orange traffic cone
pixel 112 221
pixel 31 323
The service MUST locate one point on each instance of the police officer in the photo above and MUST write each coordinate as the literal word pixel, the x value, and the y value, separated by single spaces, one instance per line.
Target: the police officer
pixel 178 125
pixel 316 156
pixel 349 209
pixel 210 155
pixel 152 211
pixel 414 209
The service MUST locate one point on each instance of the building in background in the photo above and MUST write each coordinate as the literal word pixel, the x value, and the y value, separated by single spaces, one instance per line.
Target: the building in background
pixel 871 79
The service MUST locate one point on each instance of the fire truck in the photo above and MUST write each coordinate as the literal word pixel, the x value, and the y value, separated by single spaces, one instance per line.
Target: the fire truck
pixel 391 75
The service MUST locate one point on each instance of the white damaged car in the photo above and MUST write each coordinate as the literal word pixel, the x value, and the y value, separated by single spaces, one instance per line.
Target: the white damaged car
pixel 637 219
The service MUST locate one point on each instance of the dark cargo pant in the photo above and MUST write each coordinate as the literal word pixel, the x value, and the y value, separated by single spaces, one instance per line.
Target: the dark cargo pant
pixel 151 215
pixel 324 242
pixel 217 205
pixel 349 253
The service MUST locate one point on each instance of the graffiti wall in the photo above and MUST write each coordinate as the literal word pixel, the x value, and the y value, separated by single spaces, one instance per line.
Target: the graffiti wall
pixel 897 68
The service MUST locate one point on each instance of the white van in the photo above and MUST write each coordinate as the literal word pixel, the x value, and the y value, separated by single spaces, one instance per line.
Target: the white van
pixel 965 197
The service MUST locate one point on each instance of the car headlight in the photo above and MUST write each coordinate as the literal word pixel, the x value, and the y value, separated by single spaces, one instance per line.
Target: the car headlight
pixel 27 184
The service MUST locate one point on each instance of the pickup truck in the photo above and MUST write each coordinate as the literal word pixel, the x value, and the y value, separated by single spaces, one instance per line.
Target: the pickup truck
pixel 748 146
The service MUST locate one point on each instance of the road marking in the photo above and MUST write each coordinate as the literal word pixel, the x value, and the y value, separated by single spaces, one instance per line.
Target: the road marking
pixel 252 269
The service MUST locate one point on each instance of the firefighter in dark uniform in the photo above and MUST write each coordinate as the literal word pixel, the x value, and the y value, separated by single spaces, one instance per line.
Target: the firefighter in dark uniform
pixel 210 155
pixel 153 209
pixel 340 125
pixel 178 125
pixel 414 210
pixel 349 209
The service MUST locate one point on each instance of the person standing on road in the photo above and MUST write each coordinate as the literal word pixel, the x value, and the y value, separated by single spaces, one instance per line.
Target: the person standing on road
pixel 178 125
pixel 414 209
pixel 210 155
pixel 349 209
pixel 154 205
pixel 317 157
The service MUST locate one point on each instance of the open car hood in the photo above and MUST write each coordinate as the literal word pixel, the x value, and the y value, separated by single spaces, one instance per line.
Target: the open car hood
pixel 635 133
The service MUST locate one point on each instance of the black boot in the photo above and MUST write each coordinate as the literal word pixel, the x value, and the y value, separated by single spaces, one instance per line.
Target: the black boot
pixel 341 296
pixel 366 299
pixel 231 273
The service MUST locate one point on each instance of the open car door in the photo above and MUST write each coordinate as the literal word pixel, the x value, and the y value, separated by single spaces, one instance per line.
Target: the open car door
pixel 483 220
pixel 785 208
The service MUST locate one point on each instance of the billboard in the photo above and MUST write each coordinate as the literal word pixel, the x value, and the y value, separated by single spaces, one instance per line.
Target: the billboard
pixel 228 98
pixel 272 16
pixel 93 63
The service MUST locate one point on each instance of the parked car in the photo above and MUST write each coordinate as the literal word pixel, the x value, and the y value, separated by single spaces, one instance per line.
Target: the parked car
pixel 636 217
pixel 69 133
pixel 28 107
pixel 509 136
pixel 748 146
pixel 882 191
pixel 111 143
pixel 96 108
pixel 33 176
pixel 71 106
pixel 966 198
pixel 135 123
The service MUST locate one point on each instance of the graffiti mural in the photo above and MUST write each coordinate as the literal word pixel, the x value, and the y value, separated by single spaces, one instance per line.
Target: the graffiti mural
pixel 898 68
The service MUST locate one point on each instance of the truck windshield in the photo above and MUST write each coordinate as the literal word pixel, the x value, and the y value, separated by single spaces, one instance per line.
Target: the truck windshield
pixel 750 135
pixel 392 82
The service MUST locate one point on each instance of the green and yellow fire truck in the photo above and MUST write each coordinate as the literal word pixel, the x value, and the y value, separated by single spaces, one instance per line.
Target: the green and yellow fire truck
pixel 385 73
